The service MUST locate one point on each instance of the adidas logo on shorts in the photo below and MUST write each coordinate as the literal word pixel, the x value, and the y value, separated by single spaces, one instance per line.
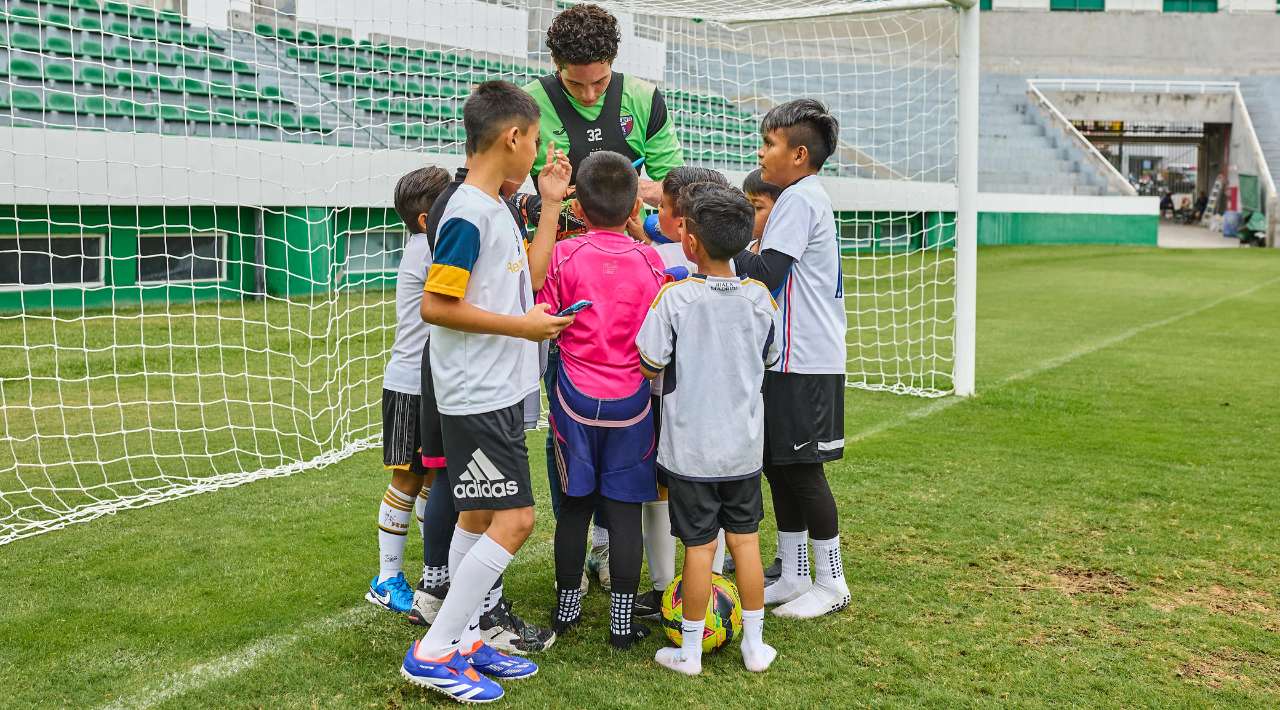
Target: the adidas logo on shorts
pixel 482 480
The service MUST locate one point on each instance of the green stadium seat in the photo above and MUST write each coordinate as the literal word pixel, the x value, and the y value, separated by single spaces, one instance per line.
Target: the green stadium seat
pixel 194 87
pixel 160 82
pixel 26 100
pixel 54 71
pixel 246 90
pixel 116 8
pixel 285 34
pixel 328 38
pixel 311 122
pixel 262 29
pixel 119 28
pixel 406 130
pixel 139 111
pixel 198 113
pixel 143 12
pixel 173 17
pixel 24 69
pixel 239 66
pixel 60 3
pixel 362 62
pixel 326 57
pixel 151 55
pixel 170 112
pixel 307 37
pixel 364 44
pixel 147 32
pixel 60 102
pixel 99 106
pixel 270 91
pixel 346 42
pixel 122 52
pixel 194 60
pixel 177 36
pixel 58 19
pixel 285 120
pixel 22 40
pixel 90 74
pixel 398 66
pixel 217 63
pixel 204 39
pixel 396 85
pixel 58 45
pixel 378 83
pixel 90 5
pixel 226 114
pixel 24 15
pixel 89 24
pixel 253 116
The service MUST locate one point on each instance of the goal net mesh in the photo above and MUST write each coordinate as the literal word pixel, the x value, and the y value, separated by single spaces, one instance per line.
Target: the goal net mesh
pixel 197 250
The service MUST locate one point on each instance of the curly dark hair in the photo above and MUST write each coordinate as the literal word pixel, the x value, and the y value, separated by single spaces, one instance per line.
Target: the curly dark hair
pixel 583 34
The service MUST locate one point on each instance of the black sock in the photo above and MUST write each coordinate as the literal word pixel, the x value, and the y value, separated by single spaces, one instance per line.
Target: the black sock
pixel 570 539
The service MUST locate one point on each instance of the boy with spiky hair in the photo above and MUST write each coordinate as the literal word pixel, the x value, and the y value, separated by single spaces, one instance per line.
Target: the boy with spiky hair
pixel 401 393
pixel 478 298
pixel 726 328
pixel 799 261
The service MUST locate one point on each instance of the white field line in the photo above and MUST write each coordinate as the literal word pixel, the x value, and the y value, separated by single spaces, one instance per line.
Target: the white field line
pixel 242 659
pixel 231 664
pixel 1054 362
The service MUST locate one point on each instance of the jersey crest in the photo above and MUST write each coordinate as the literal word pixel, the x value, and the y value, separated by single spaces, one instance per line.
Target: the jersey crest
pixel 627 123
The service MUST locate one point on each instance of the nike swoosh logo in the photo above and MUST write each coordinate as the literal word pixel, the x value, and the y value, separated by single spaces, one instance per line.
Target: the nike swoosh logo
pixel 384 597
pixel 797 447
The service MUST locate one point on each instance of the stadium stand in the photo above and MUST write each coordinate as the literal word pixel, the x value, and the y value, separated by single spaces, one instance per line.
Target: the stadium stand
pixel 1262 97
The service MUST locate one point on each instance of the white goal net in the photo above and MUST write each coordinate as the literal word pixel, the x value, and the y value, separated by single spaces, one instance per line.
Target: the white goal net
pixel 197 250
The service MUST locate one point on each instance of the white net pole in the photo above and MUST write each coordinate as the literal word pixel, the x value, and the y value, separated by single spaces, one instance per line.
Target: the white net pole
pixel 196 248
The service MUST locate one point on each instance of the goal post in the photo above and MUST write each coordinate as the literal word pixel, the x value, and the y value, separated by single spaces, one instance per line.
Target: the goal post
pixel 198 246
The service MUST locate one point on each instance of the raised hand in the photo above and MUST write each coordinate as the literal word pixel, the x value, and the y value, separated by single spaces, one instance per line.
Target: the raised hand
pixel 553 181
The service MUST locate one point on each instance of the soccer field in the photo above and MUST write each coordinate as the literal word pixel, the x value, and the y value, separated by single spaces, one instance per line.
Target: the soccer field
pixel 1096 528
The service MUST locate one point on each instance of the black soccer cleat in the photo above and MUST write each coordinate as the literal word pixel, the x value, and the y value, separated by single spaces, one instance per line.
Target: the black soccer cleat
pixel 503 630
pixel 624 642
pixel 773 571
pixel 647 605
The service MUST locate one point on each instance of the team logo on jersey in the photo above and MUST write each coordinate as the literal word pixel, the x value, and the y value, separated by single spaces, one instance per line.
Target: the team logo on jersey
pixel 627 123
pixel 482 480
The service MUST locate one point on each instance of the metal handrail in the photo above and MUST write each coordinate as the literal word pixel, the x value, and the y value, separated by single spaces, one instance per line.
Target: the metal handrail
pixel 1138 85
pixel 1114 177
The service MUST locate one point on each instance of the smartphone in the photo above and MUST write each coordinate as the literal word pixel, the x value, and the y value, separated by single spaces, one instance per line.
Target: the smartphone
pixel 579 306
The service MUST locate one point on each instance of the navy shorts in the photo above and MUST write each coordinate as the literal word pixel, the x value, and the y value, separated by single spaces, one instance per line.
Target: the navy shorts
pixel 603 445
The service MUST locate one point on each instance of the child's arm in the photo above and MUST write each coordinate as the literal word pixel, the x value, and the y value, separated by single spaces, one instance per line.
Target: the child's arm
pixel 456 314
pixel 655 339
pixel 553 184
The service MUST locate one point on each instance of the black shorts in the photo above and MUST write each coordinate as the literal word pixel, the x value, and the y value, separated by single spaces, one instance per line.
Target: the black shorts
pixel 401 445
pixel 429 419
pixel 488 461
pixel 699 509
pixel 803 418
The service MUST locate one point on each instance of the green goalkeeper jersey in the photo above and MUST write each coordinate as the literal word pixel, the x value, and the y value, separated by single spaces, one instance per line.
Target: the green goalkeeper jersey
pixel 643 117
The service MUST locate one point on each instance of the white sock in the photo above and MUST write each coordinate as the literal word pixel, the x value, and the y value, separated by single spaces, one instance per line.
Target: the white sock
pixel 599 536
pixel 717 561
pixel 777 545
pixel 459 617
pixel 829 593
pixel 420 507
pixel 756 654
pixel 659 545
pixel 459 545
pixel 793 547
pixel 829 565
pixel 688 658
pixel 393 526
pixel 492 598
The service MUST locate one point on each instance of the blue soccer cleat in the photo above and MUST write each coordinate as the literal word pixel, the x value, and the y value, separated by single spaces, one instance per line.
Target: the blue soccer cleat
pixel 453 676
pixel 393 594
pixel 496 664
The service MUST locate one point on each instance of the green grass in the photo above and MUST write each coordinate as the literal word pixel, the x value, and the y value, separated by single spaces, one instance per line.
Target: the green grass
pixel 1096 528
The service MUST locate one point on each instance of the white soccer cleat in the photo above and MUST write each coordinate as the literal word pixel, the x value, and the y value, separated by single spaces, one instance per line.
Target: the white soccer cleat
pixel 820 600
pixel 786 589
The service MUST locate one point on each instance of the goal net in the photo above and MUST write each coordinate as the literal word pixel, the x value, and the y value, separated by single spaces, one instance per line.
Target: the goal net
pixel 197 246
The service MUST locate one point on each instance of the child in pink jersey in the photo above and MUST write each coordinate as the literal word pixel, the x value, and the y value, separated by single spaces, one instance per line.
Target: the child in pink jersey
pixel 601 418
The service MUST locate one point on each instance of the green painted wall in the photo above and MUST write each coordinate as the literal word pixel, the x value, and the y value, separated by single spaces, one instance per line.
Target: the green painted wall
pixel 996 228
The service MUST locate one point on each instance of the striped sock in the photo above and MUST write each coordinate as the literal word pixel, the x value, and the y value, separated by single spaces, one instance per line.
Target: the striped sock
pixel 393 526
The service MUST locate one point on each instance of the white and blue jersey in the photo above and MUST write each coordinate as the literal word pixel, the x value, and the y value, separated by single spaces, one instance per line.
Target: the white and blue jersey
pixel 811 297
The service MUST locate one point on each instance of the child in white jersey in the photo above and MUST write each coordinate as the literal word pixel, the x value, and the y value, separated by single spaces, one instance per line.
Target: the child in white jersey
pixel 799 261
pixel 401 393
pixel 725 327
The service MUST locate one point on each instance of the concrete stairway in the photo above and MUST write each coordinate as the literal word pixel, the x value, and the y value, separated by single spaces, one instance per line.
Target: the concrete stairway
pixel 1262 98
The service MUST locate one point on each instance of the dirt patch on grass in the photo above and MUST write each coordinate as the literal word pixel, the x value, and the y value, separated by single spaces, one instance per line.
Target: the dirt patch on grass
pixel 1072 581
pixel 1219 600
pixel 1230 665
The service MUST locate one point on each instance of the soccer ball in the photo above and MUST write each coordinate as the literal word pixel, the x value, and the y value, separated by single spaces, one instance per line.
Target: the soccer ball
pixel 724 614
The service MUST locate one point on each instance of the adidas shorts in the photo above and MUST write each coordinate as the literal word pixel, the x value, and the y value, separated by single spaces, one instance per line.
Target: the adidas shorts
pixel 803 418
pixel 429 419
pixel 488 461
pixel 400 443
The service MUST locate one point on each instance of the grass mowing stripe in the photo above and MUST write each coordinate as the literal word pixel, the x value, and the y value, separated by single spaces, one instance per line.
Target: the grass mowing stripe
pixel 241 660
pixel 1055 362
